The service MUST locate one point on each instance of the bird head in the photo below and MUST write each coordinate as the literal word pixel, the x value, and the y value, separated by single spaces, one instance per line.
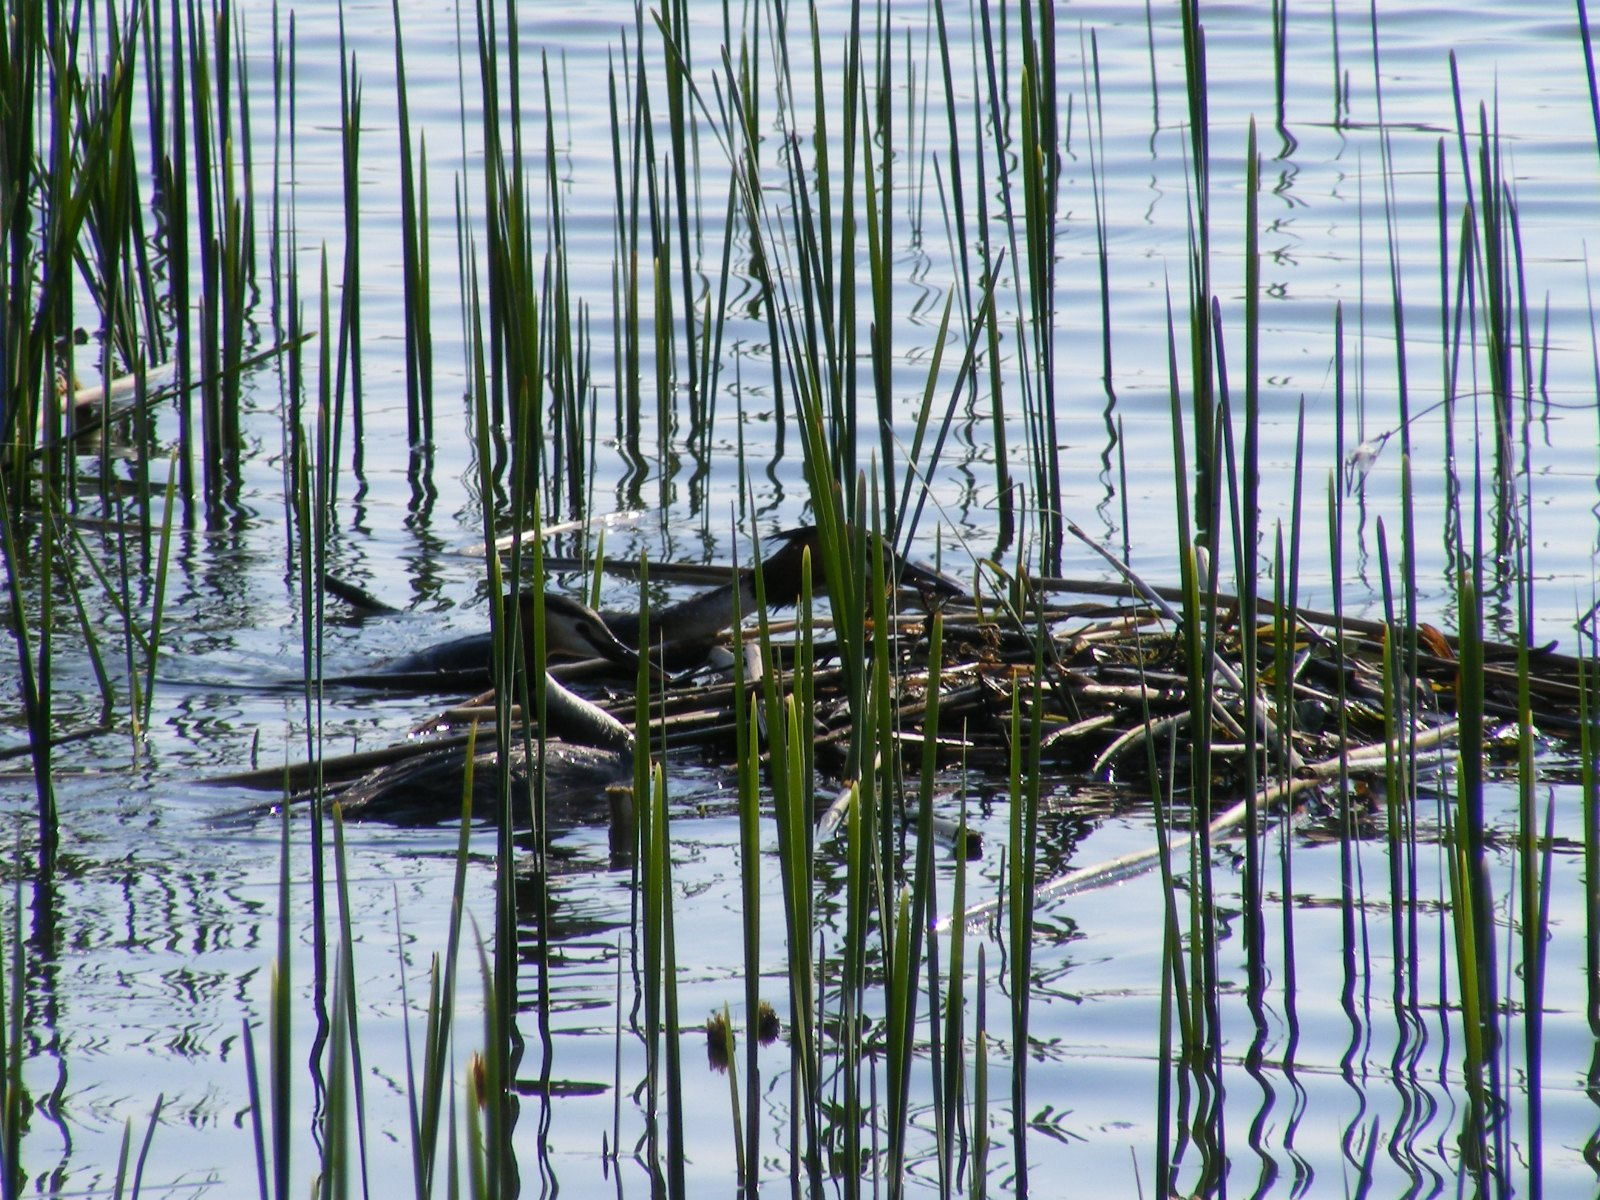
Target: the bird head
pixel 575 630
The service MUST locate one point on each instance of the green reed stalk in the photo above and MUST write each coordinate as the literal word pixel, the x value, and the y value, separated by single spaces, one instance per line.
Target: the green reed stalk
pixel 563 329
pixel 1286 598
pixel 1040 172
pixel 34 672
pixel 520 680
pixel 334 1143
pixel 729 1055
pixel 414 261
pixel 814 359
pixel 476 1151
pixel 1202 1047
pixel 1449 347
pixel 651 895
pixel 810 311
pixel 280 1073
pixel 1491 220
pixel 333 1177
pixel 311 475
pixel 956 204
pixel 64 203
pixel 747 746
pixel 1023 845
pixel 1346 798
pixel 75 183
pixel 226 236
pixel 22 61
pixel 123 1184
pixel 860 852
pixel 244 143
pixel 1401 650
pixel 425 1098
pixel 1203 407
pixel 1408 665
pixel 1589 798
pixel 684 203
pixel 869 816
pixel 1533 850
pixel 14 1096
pixel 1386 176
pixel 791 751
pixel 253 1090
pixel 920 470
pixel 1177 998
pixel 980 1081
pixel 158 597
pixel 914 913
pixel 1246 523
pixel 625 285
pixel 1174 991
pixel 988 252
pixel 202 99
pixel 661 853
pixel 1471 893
pixel 345 1000
pixel 494 1158
pixel 348 357
pixel 73 548
pixel 878 218
pixel 157 333
pixel 1097 187
pixel 492 1169
pixel 139 649
pixel 173 199
pixel 953 1131
pixel 653 880
pixel 1203 1050
pixel 512 288
pixel 641 713
pixel 1397 795
pixel 1588 64
pixel 876 854
pixel 112 209
pixel 1533 868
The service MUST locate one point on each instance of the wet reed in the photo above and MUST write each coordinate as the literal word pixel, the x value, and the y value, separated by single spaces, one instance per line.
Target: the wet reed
pixel 128 192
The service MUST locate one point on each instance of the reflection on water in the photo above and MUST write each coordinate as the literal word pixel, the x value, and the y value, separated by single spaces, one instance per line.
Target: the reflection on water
pixel 1332 1049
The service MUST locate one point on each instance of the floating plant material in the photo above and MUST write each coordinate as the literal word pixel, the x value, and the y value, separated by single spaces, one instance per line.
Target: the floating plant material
pixel 768 1026
pixel 1113 677
pixel 719 1041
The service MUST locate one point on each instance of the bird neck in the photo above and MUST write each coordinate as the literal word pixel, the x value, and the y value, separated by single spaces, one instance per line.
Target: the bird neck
pixel 579 720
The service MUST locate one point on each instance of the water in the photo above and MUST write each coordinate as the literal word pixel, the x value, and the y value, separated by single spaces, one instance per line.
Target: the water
pixel 164 917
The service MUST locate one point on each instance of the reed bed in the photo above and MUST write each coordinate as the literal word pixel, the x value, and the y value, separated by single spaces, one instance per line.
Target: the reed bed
pixel 768 191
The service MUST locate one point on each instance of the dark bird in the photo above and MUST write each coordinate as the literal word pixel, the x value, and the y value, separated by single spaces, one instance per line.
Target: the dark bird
pixel 682 634
pixel 593 748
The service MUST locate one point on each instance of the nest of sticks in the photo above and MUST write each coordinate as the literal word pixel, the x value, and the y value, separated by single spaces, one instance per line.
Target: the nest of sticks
pixel 1111 678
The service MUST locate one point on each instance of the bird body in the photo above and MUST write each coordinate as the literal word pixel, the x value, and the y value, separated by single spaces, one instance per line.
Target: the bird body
pixel 594 749
pixel 681 635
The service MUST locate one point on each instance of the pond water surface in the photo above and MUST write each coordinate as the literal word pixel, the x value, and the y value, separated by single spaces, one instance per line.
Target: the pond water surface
pixel 153 950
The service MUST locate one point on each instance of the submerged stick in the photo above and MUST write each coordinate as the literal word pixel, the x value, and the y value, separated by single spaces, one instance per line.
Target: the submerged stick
pixel 1218 664
pixel 1117 869
pixel 299 775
